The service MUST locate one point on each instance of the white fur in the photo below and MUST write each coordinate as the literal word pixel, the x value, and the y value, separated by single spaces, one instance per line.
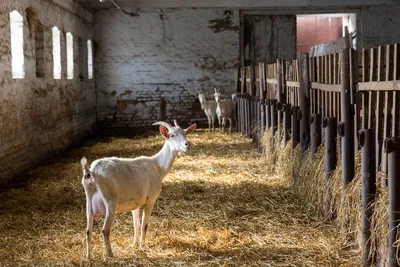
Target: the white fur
pixel 128 184
pixel 226 110
pixel 209 107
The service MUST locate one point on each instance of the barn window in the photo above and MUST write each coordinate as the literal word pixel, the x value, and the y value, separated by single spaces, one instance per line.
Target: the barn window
pixel 90 59
pixel 56 53
pixel 17 45
pixel 70 56
pixel 39 50
pixel 81 56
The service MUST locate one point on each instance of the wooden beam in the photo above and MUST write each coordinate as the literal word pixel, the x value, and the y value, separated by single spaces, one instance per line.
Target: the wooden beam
pixel 326 87
pixel 379 86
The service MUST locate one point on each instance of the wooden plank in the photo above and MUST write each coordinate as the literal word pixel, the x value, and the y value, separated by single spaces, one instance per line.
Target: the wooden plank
pixel 272 81
pixel 292 84
pixel 379 86
pixel 326 87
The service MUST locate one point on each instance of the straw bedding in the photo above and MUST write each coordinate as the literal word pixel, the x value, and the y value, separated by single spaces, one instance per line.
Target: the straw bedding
pixel 217 207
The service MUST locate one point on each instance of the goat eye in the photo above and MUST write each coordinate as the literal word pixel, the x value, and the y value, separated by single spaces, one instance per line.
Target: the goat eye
pixel 172 135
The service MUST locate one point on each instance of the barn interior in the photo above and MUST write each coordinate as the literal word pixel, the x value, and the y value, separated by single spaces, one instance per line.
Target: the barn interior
pixel 75 76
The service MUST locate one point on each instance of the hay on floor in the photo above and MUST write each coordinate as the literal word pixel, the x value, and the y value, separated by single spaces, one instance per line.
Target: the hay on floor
pixel 217 207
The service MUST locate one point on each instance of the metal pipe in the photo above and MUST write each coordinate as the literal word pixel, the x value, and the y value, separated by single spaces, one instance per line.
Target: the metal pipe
pixel 295 127
pixel 346 127
pixel 286 122
pixel 368 177
pixel 304 103
pixel 273 115
pixel 330 159
pixel 315 133
pixel 392 146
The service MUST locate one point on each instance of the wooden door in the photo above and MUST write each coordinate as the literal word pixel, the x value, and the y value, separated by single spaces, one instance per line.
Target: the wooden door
pixel 265 38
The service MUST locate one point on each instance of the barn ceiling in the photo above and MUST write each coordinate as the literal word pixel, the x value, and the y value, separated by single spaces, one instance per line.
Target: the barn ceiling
pixel 233 3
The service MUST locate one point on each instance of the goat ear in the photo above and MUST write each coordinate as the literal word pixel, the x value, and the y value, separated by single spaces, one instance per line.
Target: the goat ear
pixel 191 128
pixel 163 131
pixel 83 162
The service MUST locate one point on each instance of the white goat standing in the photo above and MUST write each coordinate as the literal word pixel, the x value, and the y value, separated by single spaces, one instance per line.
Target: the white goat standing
pixel 125 184
pixel 226 109
pixel 209 107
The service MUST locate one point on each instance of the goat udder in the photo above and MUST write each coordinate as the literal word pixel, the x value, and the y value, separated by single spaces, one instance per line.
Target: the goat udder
pixel 98 207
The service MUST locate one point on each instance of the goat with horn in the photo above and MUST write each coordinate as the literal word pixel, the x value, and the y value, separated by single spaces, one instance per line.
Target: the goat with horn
pixel 128 184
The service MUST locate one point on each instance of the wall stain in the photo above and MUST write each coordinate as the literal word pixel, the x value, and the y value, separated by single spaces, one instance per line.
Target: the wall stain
pixel 219 25
pixel 127 92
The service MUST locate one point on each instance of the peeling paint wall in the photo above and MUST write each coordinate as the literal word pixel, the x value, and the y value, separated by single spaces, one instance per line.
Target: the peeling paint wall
pixel 42 116
pixel 149 67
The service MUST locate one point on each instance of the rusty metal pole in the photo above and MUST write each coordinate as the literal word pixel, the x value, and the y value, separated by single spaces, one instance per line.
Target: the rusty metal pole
pixel 280 95
pixel 295 127
pixel 330 159
pixel 346 130
pixel 273 118
pixel 392 146
pixel 304 103
pixel 346 126
pixel 286 122
pixel 267 113
pixel 315 121
pixel 368 176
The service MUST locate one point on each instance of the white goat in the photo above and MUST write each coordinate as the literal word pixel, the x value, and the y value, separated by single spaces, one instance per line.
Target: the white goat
pixel 125 184
pixel 209 107
pixel 226 110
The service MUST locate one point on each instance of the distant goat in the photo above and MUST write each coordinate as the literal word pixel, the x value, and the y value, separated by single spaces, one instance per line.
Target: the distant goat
pixel 125 184
pixel 226 109
pixel 209 107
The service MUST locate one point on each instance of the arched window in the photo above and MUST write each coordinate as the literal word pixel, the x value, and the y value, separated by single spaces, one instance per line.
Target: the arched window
pixel 17 45
pixel 70 56
pixel 56 53
pixel 90 59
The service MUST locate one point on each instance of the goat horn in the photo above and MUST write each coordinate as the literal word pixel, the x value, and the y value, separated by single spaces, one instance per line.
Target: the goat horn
pixel 215 90
pixel 165 124
pixel 176 124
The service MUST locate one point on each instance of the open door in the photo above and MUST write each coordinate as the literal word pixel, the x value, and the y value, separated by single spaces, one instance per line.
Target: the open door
pixel 265 38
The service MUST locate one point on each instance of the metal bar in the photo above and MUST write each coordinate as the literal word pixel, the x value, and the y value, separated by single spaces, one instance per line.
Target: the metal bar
pixel 280 96
pixel 393 150
pixel 295 127
pixel 316 120
pixel 368 176
pixel 346 125
pixel 273 122
pixel 286 122
pixel 330 159
pixel 304 104
pixel 267 113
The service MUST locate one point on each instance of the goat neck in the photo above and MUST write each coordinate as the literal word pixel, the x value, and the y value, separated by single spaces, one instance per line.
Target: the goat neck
pixel 164 159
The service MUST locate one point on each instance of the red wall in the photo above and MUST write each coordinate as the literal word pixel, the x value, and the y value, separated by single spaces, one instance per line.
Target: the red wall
pixel 315 30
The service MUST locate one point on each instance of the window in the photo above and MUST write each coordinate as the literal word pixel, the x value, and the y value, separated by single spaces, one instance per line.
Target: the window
pixel 56 53
pixel 39 50
pixel 81 57
pixel 17 45
pixel 90 59
pixel 70 56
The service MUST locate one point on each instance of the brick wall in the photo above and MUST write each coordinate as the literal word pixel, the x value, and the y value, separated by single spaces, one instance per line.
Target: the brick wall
pixel 42 116
pixel 149 67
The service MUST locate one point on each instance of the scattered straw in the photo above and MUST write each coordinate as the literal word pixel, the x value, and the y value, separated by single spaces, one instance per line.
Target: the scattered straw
pixel 309 183
pixel 217 207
